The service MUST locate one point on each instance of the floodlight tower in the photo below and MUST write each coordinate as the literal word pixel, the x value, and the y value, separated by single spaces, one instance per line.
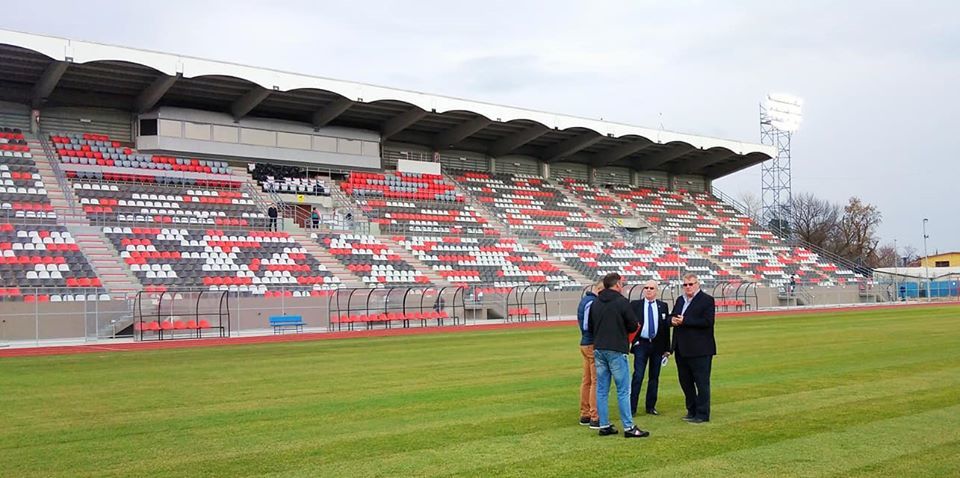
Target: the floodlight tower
pixel 780 116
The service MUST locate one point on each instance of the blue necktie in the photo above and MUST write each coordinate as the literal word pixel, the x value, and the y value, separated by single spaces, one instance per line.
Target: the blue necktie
pixel 650 332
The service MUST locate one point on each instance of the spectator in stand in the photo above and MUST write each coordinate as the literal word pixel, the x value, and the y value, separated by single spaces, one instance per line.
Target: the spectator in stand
pixel 694 347
pixel 588 386
pixel 315 218
pixel 611 320
pixel 650 346
pixel 272 214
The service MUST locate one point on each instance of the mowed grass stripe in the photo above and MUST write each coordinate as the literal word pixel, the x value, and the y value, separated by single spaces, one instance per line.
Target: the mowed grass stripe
pixel 471 404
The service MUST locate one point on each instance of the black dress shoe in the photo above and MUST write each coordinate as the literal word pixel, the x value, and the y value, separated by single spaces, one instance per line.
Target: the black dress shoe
pixel 696 420
pixel 635 433
pixel 607 430
pixel 652 411
pixel 687 418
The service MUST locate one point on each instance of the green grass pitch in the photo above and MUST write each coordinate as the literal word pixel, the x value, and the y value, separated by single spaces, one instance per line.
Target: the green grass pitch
pixel 864 393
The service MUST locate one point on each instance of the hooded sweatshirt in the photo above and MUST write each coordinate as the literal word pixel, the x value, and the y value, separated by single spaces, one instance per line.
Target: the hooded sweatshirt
pixel 611 321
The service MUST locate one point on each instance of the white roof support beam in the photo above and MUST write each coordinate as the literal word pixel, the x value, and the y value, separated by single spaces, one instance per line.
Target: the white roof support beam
pixel 460 132
pixel 246 103
pixel 669 155
pixel 325 115
pixel 400 122
pixel 48 81
pixel 570 146
pixel 509 144
pixel 149 97
pixel 616 153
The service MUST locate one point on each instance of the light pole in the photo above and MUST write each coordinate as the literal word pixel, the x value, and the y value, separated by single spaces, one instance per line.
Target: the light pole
pixel 926 257
pixel 896 271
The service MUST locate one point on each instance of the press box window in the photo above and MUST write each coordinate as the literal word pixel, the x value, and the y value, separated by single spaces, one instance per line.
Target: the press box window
pixel 148 127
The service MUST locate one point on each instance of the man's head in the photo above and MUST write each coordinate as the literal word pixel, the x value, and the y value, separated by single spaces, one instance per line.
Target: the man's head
pixel 596 287
pixel 650 290
pixel 691 285
pixel 613 281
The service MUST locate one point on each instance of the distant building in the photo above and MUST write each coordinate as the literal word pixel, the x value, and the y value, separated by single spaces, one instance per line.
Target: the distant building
pixel 947 259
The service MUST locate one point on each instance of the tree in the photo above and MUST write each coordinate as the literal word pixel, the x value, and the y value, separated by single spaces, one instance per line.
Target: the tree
pixel 814 219
pixel 886 256
pixel 751 203
pixel 855 235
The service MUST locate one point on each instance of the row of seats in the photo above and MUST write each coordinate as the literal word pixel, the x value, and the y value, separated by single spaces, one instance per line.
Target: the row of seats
pixel 386 318
pixel 281 178
pixel 373 261
pixel 397 185
pixel 74 149
pixel 499 262
pixel 163 204
pixel 247 261
pixel 655 261
pixel 40 261
pixel 531 206
pixel 425 218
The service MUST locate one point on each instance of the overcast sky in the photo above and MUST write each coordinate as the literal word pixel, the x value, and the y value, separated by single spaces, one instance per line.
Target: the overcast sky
pixel 880 79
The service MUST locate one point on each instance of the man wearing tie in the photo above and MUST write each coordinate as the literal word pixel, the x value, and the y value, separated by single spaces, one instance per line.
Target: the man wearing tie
pixel 649 346
pixel 694 347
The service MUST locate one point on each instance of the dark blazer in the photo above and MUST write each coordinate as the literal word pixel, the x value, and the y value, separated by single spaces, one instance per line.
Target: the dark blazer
pixel 661 343
pixel 694 338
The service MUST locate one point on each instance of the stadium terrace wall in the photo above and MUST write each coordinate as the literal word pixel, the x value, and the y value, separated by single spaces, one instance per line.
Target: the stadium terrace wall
pixel 577 171
pixel 613 175
pixel 651 179
pixel 515 164
pixel 15 115
pixel 115 123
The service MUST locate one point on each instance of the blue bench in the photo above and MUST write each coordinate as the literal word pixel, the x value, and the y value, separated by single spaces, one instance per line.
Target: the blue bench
pixel 283 322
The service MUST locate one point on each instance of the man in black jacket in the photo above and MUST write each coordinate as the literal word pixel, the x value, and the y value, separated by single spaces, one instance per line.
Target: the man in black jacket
pixel 610 322
pixel 694 347
pixel 650 346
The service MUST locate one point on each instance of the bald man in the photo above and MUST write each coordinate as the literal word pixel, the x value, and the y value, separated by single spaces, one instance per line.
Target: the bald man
pixel 649 346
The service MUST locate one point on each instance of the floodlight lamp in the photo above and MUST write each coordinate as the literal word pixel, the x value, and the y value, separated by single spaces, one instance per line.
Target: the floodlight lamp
pixel 785 112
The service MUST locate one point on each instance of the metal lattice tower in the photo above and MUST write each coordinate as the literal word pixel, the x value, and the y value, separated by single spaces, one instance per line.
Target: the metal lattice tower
pixel 776 188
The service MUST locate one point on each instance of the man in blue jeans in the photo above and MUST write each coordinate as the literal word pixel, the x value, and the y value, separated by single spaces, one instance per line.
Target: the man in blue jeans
pixel 611 321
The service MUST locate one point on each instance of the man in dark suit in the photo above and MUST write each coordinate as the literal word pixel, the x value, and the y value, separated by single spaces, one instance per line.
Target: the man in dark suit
pixel 694 347
pixel 649 346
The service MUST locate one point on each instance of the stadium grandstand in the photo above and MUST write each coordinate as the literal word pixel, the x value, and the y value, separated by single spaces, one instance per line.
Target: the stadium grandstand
pixel 134 177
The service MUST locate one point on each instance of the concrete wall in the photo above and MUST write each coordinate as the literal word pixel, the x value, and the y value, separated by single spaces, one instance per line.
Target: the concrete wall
pixel 208 133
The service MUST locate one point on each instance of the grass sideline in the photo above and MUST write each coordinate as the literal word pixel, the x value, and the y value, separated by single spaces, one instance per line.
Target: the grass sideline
pixel 862 393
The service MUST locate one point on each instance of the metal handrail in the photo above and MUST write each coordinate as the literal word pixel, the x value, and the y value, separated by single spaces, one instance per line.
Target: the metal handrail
pixel 54 161
pixel 795 242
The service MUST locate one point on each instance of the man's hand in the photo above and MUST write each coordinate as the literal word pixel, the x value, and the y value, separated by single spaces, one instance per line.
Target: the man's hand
pixel 666 354
pixel 677 320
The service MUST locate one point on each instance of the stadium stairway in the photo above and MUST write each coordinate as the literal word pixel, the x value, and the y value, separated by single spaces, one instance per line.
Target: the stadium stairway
pixel 251 187
pixel 410 259
pixel 628 207
pixel 347 279
pixel 116 278
pixel 60 197
pixel 570 196
pixel 341 199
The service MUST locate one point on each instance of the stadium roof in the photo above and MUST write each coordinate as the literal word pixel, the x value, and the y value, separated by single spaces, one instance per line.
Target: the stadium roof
pixel 51 71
